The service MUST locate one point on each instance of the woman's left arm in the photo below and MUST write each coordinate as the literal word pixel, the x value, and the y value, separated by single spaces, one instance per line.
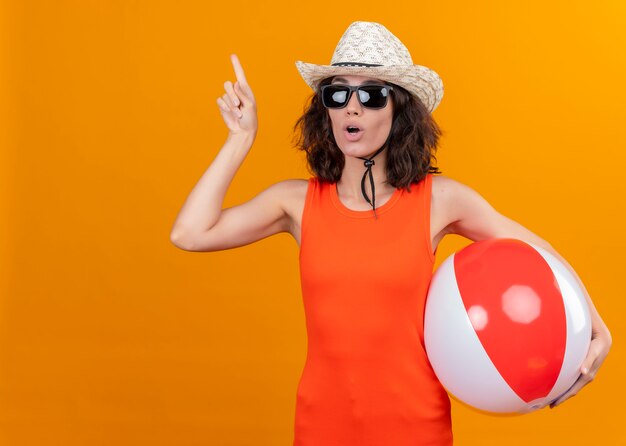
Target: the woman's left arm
pixel 471 216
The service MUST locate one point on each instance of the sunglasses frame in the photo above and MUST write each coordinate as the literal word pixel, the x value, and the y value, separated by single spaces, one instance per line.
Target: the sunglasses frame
pixel 352 89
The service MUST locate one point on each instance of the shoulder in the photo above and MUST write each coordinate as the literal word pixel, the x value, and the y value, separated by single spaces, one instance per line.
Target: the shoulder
pixel 287 188
pixel 456 203
pixel 444 182
pixel 470 215
pixel 283 195
pixel 443 189
pixel 290 193
pixel 291 188
pixel 447 189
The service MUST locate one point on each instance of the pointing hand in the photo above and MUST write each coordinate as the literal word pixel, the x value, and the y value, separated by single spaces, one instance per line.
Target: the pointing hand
pixel 238 105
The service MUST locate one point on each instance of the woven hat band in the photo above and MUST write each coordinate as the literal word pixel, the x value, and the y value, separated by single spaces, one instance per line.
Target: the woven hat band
pixel 356 64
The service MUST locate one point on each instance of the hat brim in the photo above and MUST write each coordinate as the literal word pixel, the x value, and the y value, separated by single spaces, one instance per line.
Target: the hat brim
pixel 417 79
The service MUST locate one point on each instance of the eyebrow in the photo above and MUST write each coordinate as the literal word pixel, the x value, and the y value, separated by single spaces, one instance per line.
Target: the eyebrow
pixel 369 81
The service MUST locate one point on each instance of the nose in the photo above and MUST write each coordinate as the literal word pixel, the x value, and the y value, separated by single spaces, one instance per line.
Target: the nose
pixel 354 106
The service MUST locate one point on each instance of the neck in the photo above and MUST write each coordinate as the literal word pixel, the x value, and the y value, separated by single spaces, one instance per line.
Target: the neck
pixel 354 168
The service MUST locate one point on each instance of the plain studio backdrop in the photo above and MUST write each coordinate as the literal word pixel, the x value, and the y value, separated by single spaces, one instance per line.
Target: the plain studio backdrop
pixel 110 335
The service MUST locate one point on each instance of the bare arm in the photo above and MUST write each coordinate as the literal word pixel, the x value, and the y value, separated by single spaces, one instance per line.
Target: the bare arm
pixel 201 224
pixel 203 208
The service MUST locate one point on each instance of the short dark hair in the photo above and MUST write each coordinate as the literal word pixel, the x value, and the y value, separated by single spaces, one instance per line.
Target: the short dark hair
pixel 411 148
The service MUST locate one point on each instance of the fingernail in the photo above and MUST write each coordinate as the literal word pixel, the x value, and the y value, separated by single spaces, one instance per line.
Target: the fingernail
pixel 585 370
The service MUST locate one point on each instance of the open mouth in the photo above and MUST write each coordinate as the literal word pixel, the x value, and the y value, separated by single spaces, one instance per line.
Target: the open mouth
pixel 353 133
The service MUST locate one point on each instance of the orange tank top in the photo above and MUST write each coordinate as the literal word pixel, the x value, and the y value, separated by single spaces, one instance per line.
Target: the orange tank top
pixel 367 380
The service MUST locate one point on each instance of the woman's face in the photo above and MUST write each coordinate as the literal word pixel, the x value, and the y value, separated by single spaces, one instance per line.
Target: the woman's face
pixel 374 124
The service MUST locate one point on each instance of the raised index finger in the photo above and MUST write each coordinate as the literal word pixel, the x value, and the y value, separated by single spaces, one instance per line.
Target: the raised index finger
pixel 241 77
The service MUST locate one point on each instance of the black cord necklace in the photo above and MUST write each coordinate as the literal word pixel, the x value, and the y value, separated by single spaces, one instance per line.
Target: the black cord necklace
pixel 369 162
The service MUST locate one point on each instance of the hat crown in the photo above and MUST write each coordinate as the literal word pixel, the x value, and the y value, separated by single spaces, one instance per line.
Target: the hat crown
pixel 370 43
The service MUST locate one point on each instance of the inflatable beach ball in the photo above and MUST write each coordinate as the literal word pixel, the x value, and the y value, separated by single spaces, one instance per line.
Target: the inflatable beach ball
pixel 506 326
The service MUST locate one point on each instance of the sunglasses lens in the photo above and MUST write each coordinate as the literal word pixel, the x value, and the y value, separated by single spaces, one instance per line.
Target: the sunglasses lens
pixel 373 96
pixel 335 96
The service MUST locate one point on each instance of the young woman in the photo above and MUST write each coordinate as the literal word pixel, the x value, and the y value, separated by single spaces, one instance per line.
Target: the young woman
pixel 368 224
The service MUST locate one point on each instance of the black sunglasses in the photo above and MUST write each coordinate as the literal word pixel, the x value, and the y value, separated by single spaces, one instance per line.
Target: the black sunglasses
pixel 370 96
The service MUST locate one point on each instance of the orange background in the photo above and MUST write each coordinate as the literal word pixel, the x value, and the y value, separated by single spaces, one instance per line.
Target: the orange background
pixel 111 335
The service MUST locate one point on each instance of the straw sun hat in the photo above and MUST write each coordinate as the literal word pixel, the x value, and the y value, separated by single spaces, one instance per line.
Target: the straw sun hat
pixel 369 49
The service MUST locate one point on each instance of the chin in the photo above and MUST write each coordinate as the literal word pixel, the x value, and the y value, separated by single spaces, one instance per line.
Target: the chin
pixel 360 148
pixel 353 149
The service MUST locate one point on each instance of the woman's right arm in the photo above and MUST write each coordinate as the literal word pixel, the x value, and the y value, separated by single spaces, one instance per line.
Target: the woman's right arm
pixel 202 224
